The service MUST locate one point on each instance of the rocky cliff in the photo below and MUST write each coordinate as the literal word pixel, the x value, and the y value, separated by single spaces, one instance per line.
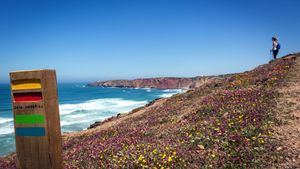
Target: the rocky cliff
pixel 160 83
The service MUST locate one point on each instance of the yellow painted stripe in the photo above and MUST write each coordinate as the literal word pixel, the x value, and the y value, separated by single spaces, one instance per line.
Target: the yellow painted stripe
pixel 26 84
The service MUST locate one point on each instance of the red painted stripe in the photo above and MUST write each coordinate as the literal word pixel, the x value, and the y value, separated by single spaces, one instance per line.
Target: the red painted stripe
pixel 28 97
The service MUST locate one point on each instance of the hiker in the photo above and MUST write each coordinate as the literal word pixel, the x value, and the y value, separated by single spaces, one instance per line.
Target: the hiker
pixel 276 47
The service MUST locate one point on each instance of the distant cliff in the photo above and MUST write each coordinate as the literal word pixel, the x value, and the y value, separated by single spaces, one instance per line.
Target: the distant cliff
pixel 160 83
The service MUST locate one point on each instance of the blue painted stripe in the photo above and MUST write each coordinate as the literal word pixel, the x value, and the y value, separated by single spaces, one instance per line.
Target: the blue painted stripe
pixel 30 131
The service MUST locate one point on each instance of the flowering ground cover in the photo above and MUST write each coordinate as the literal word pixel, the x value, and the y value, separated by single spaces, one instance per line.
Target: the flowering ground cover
pixel 226 123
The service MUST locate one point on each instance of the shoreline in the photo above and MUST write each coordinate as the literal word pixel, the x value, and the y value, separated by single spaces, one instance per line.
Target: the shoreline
pixel 108 119
pixel 108 122
pixel 115 120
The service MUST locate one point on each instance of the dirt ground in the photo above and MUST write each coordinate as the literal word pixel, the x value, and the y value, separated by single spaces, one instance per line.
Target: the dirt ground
pixel 288 107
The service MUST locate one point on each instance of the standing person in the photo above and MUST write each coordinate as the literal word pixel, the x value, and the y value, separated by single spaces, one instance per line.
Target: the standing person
pixel 276 47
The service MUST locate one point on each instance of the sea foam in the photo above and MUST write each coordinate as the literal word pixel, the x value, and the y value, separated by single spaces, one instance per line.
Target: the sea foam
pixel 7 128
pixel 5 120
pixel 75 117
pixel 109 104
pixel 170 92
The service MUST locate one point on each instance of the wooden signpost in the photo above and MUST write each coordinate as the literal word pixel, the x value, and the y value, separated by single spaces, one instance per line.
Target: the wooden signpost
pixel 36 119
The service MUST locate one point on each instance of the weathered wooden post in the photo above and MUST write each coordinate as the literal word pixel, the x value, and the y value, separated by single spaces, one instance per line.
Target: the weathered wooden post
pixel 36 118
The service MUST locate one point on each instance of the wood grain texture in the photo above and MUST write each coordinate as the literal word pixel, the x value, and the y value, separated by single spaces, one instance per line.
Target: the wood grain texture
pixel 39 152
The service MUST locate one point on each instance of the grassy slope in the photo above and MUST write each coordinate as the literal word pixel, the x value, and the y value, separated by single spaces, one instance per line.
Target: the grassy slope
pixel 227 123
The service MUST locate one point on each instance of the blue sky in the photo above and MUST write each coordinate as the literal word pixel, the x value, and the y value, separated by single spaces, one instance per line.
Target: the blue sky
pixel 112 39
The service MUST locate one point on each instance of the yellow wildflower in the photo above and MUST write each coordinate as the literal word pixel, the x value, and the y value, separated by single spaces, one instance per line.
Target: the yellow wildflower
pixel 141 157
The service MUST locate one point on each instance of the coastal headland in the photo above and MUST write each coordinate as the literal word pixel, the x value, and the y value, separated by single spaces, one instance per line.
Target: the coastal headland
pixel 159 83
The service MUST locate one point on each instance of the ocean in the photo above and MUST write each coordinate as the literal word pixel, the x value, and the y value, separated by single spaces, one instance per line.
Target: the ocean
pixel 80 106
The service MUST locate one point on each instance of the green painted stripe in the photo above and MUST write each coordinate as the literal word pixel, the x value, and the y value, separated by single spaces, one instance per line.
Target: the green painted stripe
pixel 30 119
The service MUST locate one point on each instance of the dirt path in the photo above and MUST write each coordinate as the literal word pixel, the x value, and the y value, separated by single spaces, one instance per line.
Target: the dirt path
pixel 288 107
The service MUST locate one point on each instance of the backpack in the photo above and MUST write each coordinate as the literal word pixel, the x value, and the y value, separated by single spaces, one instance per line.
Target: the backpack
pixel 278 46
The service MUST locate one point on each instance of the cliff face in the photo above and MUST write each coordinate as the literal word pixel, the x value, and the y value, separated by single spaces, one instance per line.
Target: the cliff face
pixel 160 83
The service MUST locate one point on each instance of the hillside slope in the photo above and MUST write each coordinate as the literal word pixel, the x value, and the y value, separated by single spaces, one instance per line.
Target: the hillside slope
pixel 235 122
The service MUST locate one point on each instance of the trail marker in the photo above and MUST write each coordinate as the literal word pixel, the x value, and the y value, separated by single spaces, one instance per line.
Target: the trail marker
pixel 36 119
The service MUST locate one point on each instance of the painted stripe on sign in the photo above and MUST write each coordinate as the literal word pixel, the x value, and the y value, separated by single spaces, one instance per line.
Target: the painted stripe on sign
pixel 27 97
pixel 30 119
pixel 26 84
pixel 30 131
